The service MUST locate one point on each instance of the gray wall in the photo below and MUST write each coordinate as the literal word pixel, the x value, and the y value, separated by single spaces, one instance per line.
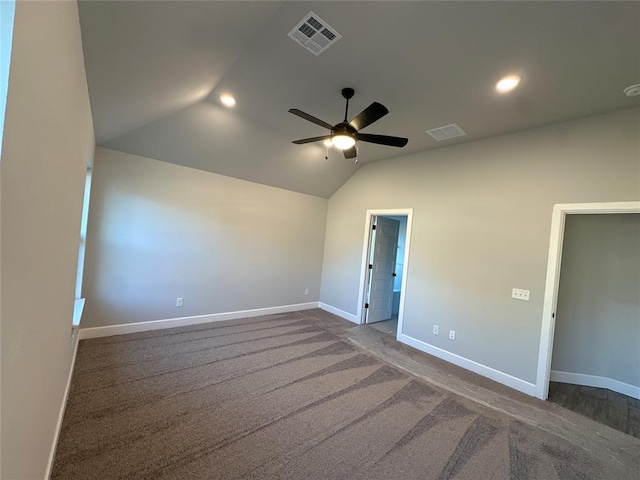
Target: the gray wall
pixel 48 139
pixel 482 216
pixel 159 231
pixel 598 315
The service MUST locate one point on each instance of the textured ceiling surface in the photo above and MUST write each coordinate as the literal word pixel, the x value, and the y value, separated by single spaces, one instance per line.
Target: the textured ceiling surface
pixel 156 69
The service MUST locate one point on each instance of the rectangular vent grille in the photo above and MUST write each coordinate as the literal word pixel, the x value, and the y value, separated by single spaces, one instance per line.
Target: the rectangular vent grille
pixel 314 34
pixel 447 132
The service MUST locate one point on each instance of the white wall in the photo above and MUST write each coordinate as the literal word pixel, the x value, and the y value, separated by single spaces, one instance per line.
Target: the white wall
pixel 159 231
pixel 597 328
pixel 48 137
pixel 482 215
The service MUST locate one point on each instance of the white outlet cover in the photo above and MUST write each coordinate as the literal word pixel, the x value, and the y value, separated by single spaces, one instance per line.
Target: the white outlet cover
pixel 436 330
pixel 452 334
pixel 520 294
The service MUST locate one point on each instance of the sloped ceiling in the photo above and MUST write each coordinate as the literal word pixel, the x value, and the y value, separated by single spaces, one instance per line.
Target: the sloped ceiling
pixel 156 69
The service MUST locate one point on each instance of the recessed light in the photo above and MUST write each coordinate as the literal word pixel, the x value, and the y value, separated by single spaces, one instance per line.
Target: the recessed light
pixel 227 100
pixel 632 91
pixel 508 83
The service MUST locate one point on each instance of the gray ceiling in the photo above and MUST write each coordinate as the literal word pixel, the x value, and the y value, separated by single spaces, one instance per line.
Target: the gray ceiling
pixel 156 69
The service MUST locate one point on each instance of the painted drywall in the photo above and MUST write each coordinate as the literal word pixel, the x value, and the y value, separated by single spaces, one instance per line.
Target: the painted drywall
pixel 597 328
pixel 48 138
pixel 192 137
pixel 481 224
pixel 159 231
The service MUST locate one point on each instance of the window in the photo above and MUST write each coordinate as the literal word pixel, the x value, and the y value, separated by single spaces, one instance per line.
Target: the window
pixel 7 11
pixel 79 303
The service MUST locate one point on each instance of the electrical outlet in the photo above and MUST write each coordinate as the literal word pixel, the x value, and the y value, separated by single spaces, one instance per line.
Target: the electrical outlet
pixel 520 294
pixel 452 334
pixel 436 330
pixel 306 291
pixel 179 301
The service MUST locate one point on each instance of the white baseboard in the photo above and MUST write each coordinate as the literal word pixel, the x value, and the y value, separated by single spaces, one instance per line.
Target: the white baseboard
pixel 596 381
pixel 496 375
pixel 97 332
pixel 63 406
pixel 341 313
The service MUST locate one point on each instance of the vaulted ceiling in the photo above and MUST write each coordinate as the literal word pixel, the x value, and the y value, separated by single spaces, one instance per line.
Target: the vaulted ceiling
pixel 156 70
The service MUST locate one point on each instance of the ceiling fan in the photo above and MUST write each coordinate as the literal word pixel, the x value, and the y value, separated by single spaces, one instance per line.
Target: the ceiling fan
pixel 345 134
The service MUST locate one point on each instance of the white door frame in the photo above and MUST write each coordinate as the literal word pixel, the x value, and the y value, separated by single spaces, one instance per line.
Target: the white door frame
pixel 560 212
pixel 408 212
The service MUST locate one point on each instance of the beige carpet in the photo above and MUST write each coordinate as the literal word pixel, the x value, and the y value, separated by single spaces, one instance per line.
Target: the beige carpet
pixel 283 397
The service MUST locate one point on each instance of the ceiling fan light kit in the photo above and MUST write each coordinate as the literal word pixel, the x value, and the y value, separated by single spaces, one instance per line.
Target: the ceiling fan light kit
pixel 343 141
pixel 344 135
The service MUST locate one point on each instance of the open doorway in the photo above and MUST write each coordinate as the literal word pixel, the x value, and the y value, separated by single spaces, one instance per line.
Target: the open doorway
pixel 384 272
pixel 595 366
pixel 591 314
pixel 552 283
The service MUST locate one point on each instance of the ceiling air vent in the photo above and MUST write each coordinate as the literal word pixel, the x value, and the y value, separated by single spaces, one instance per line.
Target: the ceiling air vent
pixel 447 132
pixel 314 34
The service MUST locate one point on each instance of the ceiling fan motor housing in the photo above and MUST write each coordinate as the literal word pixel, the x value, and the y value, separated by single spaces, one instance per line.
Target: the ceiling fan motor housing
pixel 343 128
pixel 344 136
pixel 348 93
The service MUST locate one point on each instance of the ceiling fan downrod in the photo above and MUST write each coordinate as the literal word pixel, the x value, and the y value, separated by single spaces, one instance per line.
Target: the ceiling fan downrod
pixel 347 93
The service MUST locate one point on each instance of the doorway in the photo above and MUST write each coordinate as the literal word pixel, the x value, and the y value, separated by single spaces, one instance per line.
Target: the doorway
pixel 594 365
pixel 384 269
pixel 553 278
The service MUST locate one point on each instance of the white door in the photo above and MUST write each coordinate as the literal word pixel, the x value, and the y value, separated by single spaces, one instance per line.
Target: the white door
pixel 384 245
